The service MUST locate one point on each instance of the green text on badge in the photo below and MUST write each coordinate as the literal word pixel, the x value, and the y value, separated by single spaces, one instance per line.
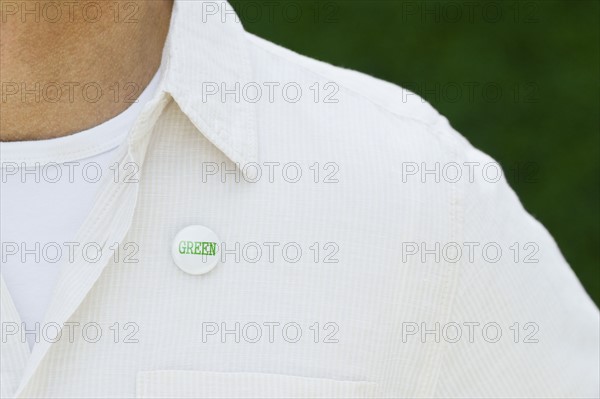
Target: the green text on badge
pixel 197 248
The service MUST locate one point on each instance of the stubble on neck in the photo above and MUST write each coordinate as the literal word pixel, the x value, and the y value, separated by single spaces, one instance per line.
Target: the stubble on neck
pixel 68 66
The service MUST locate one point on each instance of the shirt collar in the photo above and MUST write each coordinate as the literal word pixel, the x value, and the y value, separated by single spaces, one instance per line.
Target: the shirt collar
pixel 207 50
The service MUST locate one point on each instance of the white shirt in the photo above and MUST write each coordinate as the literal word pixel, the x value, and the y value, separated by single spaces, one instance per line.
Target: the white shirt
pixel 48 188
pixel 349 315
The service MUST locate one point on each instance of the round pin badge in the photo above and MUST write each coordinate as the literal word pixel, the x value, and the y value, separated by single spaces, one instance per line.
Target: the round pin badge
pixel 196 250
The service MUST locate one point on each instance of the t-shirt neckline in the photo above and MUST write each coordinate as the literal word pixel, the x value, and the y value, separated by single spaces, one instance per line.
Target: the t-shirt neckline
pixel 85 144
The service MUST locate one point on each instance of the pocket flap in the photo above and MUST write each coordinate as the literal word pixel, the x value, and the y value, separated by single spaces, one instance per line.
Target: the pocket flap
pixel 201 384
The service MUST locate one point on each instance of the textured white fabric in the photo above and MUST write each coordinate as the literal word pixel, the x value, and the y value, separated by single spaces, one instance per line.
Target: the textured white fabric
pixel 249 327
pixel 47 190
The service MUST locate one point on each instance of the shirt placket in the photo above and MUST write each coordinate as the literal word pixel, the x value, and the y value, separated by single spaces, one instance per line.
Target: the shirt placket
pixel 106 225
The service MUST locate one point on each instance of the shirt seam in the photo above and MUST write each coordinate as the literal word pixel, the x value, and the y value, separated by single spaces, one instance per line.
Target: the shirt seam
pixel 458 194
pixel 346 87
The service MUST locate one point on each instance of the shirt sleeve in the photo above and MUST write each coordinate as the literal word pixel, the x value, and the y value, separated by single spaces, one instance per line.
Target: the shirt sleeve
pixel 528 327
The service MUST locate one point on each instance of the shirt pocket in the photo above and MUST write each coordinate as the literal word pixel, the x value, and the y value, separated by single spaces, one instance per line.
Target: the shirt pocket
pixel 201 384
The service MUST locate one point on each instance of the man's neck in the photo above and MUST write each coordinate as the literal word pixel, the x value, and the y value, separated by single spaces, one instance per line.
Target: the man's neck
pixel 64 73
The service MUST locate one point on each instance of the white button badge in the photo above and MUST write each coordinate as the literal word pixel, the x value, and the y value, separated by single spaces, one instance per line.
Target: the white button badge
pixel 196 250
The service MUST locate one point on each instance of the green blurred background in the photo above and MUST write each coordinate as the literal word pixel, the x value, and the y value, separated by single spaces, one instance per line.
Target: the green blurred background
pixel 519 79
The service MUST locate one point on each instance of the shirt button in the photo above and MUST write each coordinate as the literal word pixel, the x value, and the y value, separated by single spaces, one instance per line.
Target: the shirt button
pixel 195 250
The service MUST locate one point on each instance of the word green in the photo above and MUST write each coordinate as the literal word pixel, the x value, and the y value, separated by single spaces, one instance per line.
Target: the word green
pixel 197 248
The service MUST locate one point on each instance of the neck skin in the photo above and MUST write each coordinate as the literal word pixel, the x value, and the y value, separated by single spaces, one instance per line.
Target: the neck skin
pixel 52 71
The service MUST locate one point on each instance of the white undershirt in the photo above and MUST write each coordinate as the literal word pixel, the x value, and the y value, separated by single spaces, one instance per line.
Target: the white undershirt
pixel 47 189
